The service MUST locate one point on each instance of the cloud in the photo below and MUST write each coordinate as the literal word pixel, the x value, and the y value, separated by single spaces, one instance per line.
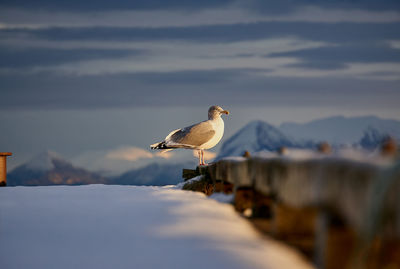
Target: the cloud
pixel 175 65
pixel 12 57
pixel 284 86
pixel 255 6
pixel 394 44
pixel 129 154
pixel 166 63
pixel 133 154
pixel 42 19
pixel 318 32
pixel 112 5
pixel 164 155
pixel 124 158
pixel 337 56
pixel 278 56
pixel 363 71
pixel 286 6
pixel 120 57
pixel 226 52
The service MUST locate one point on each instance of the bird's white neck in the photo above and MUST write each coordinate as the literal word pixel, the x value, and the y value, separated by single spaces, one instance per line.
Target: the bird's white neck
pixel 214 117
pixel 217 121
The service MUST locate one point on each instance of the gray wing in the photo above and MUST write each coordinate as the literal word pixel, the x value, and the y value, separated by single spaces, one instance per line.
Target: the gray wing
pixel 195 135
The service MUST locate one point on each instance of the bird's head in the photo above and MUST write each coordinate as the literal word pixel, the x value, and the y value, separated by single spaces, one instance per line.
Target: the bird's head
pixel 216 111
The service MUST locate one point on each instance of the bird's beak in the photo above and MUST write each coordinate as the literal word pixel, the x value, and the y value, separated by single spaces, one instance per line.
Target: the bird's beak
pixel 225 112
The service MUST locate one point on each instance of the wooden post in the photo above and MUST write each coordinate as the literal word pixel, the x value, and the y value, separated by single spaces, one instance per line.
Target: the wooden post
pixel 3 168
pixel 324 148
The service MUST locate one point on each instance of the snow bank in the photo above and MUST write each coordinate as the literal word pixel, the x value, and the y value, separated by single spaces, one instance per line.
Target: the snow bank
pixel 99 226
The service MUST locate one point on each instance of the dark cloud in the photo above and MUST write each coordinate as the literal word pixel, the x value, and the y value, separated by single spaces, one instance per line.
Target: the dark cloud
pixel 329 32
pixel 336 57
pixel 197 76
pixel 113 5
pixel 263 6
pixel 109 90
pixel 25 58
pixel 319 65
pixel 355 42
pixel 230 86
pixel 286 6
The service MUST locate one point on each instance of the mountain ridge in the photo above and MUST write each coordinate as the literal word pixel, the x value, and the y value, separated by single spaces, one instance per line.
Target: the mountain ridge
pixel 154 174
pixel 256 136
pixel 49 168
pixel 340 129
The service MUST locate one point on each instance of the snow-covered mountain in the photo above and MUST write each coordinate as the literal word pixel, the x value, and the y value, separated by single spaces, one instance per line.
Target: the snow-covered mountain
pixel 372 139
pixel 49 168
pixel 116 161
pixel 153 175
pixel 257 136
pixel 339 129
pixel 361 132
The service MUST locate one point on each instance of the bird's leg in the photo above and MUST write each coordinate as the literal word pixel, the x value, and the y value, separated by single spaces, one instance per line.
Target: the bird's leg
pixel 204 160
pixel 202 157
pixel 199 153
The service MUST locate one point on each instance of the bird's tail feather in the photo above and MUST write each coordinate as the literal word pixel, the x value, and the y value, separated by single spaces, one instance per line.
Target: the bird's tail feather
pixel 161 145
pixel 158 145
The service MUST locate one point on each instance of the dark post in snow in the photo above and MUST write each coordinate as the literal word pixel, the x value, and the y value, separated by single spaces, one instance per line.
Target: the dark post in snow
pixel 3 168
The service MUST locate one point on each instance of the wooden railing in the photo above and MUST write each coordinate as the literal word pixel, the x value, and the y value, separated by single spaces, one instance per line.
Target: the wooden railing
pixel 340 213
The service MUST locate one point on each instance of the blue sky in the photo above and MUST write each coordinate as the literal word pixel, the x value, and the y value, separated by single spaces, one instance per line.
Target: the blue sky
pixel 307 58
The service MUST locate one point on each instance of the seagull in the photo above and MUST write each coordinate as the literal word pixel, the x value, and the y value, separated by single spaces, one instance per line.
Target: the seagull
pixel 200 136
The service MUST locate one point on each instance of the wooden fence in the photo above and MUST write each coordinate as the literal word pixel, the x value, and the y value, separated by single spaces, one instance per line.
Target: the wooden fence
pixel 340 213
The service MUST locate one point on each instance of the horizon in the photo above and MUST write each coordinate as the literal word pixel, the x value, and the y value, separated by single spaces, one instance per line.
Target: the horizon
pixel 137 157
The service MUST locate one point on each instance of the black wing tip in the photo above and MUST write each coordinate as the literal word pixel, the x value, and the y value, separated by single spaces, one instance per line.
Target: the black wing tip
pixel 160 145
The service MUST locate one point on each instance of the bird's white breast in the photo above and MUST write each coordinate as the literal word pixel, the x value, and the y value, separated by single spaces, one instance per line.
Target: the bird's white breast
pixel 218 125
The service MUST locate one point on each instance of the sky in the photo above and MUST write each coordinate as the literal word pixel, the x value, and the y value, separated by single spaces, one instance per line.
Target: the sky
pixel 78 76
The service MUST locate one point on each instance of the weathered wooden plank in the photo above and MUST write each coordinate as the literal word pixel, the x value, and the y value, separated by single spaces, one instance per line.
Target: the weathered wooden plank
pixel 189 173
pixel 324 205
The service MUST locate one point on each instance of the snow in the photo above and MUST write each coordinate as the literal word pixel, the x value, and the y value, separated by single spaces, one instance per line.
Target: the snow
pixel 361 155
pixel 244 139
pixel 179 186
pixel 339 129
pixel 98 226
pixel 350 154
pixel 235 159
pixel 253 137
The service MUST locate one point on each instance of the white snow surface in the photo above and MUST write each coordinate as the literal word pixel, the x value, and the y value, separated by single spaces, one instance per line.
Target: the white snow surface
pixel 98 226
